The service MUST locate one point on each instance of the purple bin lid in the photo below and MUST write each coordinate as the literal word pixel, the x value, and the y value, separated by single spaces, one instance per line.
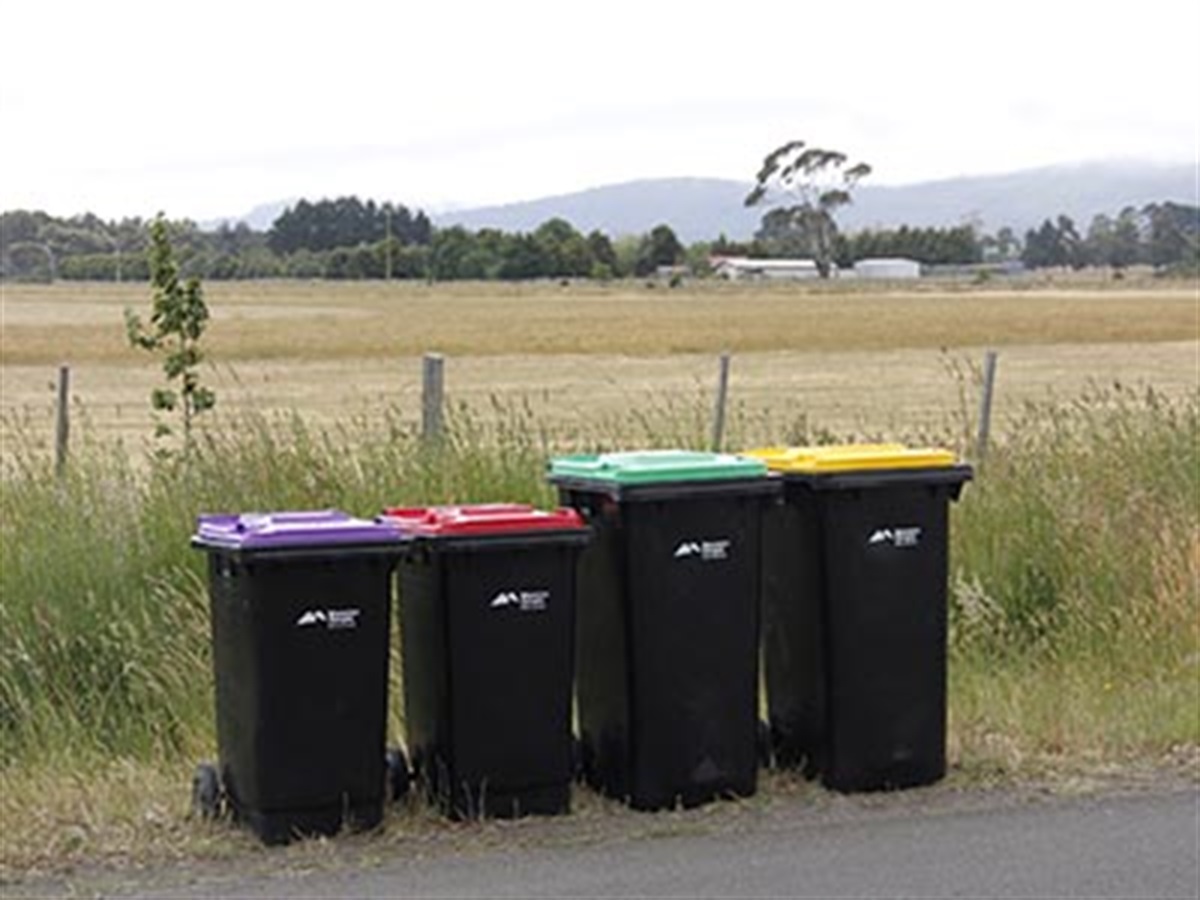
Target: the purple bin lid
pixel 313 528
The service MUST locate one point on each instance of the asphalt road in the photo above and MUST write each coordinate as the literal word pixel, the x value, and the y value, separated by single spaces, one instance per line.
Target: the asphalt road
pixel 916 844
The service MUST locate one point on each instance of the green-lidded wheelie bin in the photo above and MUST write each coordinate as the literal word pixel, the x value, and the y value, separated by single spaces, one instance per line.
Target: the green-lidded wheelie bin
pixel 668 622
pixel 487 624
pixel 300 605
pixel 854 621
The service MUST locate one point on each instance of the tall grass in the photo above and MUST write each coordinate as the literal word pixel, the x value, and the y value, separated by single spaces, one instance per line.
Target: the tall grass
pixel 1074 572
pixel 1075 628
pixel 104 609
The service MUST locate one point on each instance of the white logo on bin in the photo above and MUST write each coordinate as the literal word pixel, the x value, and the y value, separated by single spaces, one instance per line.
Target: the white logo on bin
pixel 705 550
pixel 525 601
pixel 908 536
pixel 331 618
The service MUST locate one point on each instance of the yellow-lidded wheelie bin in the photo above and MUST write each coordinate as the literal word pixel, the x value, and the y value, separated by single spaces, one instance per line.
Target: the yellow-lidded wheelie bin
pixel 854 612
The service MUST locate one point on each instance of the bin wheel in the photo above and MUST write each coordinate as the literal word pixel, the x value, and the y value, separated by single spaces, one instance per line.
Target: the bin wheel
pixel 398 775
pixel 207 796
pixel 763 745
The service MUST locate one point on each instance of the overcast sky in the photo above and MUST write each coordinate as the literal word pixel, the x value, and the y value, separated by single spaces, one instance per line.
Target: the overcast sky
pixel 207 109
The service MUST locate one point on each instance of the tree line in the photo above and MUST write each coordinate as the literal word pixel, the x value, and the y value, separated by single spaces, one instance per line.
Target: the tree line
pixel 348 238
pixel 1162 235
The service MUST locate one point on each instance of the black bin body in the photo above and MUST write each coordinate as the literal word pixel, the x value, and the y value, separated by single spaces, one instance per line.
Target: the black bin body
pixel 300 655
pixel 487 625
pixel 854 630
pixel 667 639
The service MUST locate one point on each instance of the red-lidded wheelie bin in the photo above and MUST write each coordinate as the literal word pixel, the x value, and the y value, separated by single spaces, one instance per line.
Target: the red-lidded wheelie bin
pixel 487 619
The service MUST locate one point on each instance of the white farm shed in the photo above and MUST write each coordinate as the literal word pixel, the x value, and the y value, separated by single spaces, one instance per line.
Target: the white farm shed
pixel 736 268
pixel 894 267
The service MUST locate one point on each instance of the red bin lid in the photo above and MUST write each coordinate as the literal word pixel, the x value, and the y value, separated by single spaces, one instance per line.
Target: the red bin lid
pixel 481 519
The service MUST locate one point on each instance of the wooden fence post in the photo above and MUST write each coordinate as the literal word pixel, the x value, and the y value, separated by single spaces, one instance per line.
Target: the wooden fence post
pixel 718 434
pixel 432 394
pixel 985 410
pixel 62 421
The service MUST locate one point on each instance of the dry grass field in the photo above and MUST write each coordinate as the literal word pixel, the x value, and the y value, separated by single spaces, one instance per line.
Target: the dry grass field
pixel 854 360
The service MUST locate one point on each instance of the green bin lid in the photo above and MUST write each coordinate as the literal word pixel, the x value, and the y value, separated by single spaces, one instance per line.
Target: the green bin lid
pixel 656 467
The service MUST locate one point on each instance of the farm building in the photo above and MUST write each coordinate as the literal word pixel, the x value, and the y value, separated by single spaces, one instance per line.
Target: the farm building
pixel 737 267
pixel 895 267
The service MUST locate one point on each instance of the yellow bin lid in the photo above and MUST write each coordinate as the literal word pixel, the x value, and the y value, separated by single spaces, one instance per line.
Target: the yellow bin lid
pixel 852 458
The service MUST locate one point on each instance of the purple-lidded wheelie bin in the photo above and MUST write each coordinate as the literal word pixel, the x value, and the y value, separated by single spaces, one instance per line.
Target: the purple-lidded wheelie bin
pixel 300 605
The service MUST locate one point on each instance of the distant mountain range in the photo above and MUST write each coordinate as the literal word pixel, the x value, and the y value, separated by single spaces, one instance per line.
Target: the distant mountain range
pixel 704 208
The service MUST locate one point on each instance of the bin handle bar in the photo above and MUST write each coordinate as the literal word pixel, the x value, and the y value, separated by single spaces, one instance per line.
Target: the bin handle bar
pixel 258 521
pixel 484 516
